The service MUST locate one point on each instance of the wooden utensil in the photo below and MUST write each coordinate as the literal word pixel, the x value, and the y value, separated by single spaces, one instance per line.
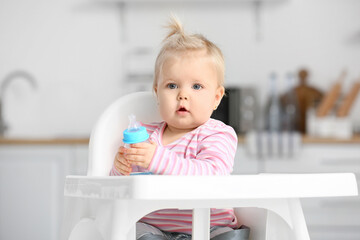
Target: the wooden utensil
pixel 345 107
pixel 330 98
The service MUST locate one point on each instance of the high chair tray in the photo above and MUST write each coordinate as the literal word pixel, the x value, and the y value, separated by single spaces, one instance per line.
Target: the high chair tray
pixel 126 199
pixel 212 187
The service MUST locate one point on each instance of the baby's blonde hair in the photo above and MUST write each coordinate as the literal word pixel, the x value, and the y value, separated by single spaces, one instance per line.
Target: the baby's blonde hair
pixel 178 42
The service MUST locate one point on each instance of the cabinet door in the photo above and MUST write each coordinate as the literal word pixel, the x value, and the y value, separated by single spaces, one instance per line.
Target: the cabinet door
pixel 327 218
pixel 243 164
pixel 31 190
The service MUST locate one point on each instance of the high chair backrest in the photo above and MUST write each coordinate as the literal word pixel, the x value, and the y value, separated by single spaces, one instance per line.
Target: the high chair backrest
pixel 106 136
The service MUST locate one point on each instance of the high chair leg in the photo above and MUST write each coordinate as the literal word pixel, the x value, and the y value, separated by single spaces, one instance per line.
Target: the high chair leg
pixel 86 229
pixel 298 218
pixel 201 224
pixel 122 225
pixel 294 228
pixel 276 228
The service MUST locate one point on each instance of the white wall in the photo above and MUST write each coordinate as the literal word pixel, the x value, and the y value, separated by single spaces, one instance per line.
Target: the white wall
pixel 75 49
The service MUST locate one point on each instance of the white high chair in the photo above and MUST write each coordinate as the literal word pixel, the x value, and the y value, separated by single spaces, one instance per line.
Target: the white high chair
pixel 101 207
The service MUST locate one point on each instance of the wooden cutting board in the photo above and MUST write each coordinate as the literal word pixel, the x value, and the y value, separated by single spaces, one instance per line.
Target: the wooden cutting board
pixel 308 97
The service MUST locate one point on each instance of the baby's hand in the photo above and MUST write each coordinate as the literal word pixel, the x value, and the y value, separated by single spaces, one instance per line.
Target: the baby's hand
pixel 121 164
pixel 140 154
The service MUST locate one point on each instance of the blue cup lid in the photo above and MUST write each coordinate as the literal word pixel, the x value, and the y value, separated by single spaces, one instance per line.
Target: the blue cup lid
pixel 135 135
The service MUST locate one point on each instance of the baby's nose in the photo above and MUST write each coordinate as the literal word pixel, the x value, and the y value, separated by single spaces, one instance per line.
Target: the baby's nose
pixel 182 97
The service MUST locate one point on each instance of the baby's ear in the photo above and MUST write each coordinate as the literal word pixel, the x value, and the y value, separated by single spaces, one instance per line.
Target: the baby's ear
pixel 220 91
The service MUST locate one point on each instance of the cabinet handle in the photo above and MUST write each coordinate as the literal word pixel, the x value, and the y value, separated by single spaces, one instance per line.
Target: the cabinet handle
pixel 341 161
pixel 352 203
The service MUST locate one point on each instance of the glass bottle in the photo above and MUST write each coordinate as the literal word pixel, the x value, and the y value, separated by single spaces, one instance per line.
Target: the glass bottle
pixel 272 116
pixel 273 107
pixel 290 106
pixel 290 118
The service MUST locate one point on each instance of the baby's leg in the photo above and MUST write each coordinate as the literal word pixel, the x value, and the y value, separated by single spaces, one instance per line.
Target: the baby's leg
pixel 215 231
pixel 226 233
pixel 147 232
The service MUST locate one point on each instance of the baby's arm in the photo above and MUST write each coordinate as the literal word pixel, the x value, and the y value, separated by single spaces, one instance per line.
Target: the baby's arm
pixel 215 156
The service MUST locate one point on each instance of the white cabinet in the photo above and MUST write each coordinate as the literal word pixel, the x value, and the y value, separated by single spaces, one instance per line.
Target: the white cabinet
pixel 327 218
pixel 31 188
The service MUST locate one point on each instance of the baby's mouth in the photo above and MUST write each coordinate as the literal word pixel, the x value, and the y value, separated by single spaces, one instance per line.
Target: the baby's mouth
pixel 182 109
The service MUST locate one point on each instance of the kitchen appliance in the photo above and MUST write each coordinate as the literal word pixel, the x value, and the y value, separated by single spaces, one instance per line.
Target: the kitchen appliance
pixel 238 108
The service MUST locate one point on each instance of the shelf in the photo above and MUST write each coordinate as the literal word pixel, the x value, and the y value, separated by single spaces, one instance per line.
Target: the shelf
pixel 317 140
pixel 310 140
pixel 188 1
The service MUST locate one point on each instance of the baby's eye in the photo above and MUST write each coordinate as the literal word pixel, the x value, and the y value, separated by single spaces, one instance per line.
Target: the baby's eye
pixel 171 85
pixel 197 86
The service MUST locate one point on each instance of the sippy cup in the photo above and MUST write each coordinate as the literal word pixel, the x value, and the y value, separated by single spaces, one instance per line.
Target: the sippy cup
pixel 135 133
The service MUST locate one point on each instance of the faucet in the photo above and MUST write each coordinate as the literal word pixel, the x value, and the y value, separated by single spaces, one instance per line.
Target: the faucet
pixel 18 74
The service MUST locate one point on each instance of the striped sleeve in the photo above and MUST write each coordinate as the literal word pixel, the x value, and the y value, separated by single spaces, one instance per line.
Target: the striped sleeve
pixel 214 155
pixel 114 171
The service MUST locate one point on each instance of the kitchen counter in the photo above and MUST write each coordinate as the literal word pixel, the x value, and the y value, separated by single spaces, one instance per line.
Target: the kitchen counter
pixel 317 140
pixel 84 141
pixel 44 141
pixel 308 139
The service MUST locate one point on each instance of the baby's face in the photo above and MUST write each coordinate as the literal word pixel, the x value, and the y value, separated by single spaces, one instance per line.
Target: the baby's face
pixel 188 90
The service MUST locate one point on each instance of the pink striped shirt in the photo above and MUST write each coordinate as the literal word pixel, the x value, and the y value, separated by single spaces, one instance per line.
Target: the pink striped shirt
pixel 207 150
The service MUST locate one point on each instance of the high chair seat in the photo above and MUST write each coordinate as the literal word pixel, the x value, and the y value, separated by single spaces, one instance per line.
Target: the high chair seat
pixel 98 206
